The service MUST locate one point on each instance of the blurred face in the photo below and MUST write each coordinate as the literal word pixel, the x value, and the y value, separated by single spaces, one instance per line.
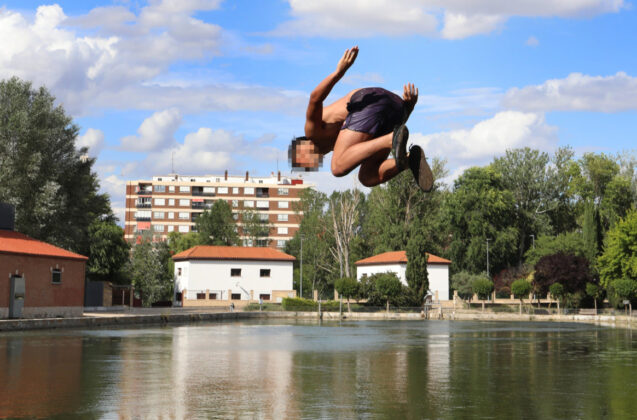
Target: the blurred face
pixel 307 155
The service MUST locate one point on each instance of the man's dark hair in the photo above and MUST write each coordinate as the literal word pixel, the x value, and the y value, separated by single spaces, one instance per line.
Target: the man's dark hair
pixel 292 155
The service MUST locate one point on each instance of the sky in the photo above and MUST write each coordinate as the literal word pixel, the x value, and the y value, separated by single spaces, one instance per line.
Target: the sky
pixel 201 86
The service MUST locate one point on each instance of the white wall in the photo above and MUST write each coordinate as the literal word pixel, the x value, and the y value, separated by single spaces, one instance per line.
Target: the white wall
pixel 215 276
pixel 438 275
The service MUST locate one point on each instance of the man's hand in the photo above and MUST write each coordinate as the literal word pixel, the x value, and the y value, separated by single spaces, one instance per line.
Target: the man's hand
pixel 410 96
pixel 347 60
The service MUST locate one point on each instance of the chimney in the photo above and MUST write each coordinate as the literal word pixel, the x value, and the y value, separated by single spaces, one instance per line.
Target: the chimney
pixel 247 176
pixel 278 176
pixel 7 216
pixel 225 177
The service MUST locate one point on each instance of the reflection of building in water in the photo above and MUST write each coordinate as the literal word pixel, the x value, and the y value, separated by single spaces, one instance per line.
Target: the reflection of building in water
pixel 438 364
pixel 210 371
pixel 39 379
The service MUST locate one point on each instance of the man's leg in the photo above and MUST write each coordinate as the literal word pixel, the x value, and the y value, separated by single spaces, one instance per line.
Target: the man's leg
pixel 378 169
pixel 352 148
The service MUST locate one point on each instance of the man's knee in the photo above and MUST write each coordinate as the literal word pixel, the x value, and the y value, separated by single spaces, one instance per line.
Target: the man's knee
pixel 367 180
pixel 338 170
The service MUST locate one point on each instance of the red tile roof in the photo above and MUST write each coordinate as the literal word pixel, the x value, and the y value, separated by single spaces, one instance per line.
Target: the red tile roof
pixel 12 242
pixel 209 252
pixel 395 257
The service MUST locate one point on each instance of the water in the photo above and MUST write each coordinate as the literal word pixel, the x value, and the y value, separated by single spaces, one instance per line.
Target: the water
pixel 277 370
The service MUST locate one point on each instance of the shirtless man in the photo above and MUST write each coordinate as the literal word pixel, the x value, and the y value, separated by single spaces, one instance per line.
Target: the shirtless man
pixel 361 128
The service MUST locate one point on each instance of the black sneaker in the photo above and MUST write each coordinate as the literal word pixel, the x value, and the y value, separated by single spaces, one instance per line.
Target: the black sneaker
pixel 420 168
pixel 399 146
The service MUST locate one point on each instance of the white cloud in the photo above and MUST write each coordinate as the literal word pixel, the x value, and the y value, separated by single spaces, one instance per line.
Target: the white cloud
pixel 359 79
pixel 489 138
pixel 577 92
pixel 155 132
pixel 460 18
pixel 532 42
pixel 93 140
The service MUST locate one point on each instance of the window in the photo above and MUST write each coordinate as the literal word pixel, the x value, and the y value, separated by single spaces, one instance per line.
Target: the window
pixel 248 204
pixel 264 217
pixel 282 217
pixel 208 190
pixel 171 214
pixel 142 214
pixel 248 191
pixel 159 214
pixel 171 188
pixel 235 203
pixel 171 201
pixel 262 243
pixel 212 296
pixel 160 201
pixel 283 204
pixel 160 188
pixel 280 243
pixel 264 296
pixel 179 271
pixel 283 191
pixel 235 190
pixel 201 295
pixel 171 228
pixel 235 272
pixel 184 189
pixel 183 228
pixel 158 228
pixel 235 216
pixel 185 202
pixel 264 272
pixel 56 276
pixel 263 205
pixel 222 190
pixel 183 215
pixel 282 230
pixel 236 296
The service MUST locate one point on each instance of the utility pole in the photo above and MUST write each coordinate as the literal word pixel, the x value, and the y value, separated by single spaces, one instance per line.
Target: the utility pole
pixel 301 268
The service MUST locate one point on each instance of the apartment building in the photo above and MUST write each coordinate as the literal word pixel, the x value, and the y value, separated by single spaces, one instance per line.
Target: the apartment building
pixel 172 203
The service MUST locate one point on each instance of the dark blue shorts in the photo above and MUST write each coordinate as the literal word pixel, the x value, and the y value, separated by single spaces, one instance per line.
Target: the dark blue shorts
pixel 375 111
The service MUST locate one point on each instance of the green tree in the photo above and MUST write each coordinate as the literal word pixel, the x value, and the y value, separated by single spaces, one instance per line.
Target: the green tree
pixel 43 175
pixel 108 252
pixel 216 226
pixel 480 208
pixel 255 228
pixel 179 242
pixel 387 286
pixel 521 289
pixel 482 286
pixel 567 243
pixel 625 289
pixel 461 282
pixel 571 271
pixel 593 290
pixel 149 270
pixel 557 292
pixel 619 259
pixel 347 287
pixel 416 273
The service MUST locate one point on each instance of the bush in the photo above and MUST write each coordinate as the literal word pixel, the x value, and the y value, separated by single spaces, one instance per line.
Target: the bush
pixel 346 287
pixel 299 304
pixel 557 290
pixel 482 287
pixel 521 288
pixel 503 308
pixel 623 289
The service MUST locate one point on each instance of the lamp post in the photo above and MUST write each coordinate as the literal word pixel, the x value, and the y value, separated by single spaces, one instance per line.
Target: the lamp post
pixel 301 268
pixel 488 257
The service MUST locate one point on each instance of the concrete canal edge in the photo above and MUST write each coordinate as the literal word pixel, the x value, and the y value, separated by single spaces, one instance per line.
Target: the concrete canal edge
pixel 117 320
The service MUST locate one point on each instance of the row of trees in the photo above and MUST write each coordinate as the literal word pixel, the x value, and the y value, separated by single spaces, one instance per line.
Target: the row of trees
pixel 547 219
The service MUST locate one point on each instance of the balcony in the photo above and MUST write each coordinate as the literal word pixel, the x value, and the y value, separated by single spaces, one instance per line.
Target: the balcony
pixel 143 192
pixel 143 218
pixel 203 194
pixel 143 205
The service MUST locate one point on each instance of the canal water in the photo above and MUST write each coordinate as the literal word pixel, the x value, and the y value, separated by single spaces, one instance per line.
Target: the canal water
pixel 287 369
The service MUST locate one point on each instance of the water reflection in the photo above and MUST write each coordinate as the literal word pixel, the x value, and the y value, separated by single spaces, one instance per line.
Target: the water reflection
pixel 351 370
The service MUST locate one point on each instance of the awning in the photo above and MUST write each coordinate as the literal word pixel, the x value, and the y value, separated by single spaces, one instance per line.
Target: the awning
pixel 143 225
pixel 197 200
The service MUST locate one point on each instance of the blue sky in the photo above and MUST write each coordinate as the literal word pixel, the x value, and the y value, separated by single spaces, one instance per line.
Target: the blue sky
pixel 224 84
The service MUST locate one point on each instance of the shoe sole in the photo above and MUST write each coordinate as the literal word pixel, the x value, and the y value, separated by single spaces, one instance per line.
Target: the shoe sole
pixel 420 169
pixel 399 141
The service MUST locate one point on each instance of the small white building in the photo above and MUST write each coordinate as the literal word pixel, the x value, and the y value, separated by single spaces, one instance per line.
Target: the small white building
pixel 218 275
pixel 396 262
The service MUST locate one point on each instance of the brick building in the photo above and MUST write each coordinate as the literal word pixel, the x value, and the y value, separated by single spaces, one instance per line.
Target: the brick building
pixel 172 203
pixel 38 279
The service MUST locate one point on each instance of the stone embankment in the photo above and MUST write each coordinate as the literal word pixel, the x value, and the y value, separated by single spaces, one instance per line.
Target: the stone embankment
pixel 177 316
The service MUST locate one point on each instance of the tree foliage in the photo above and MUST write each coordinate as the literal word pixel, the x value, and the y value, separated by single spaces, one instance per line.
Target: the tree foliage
pixel 416 272
pixel 108 252
pixel 346 287
pixel 619 259
pixel 216 226
pixel 571 271
pixel 461 282
pixel 388 286
pixel 150 270
pixel 568 243
pixel 254 228
pixel 521 288
pixel 49 181
pixel 482 287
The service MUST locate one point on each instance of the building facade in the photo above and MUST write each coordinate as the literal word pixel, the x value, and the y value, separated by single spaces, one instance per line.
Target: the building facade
pixel 172 204
pixel 220 275
pixel 396 262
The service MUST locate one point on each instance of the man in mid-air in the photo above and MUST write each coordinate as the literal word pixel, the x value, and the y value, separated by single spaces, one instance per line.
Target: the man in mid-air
pixel 361 128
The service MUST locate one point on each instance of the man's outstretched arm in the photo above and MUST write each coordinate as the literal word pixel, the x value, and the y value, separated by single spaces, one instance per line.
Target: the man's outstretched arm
pixel 318 95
